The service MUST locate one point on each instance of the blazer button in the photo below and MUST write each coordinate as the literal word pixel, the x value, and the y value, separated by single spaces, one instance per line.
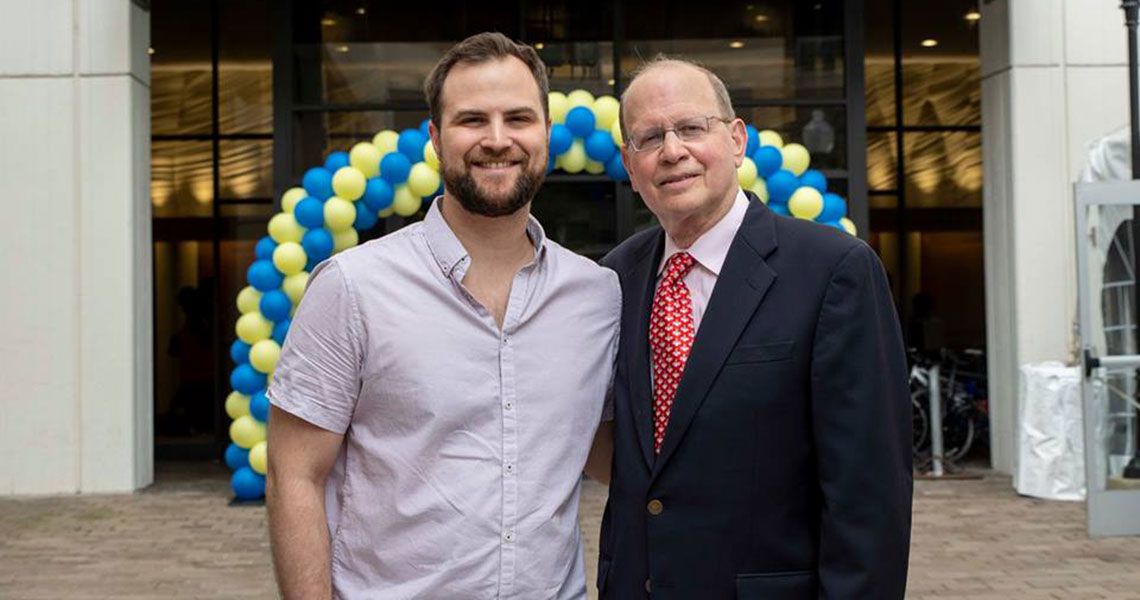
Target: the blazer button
pixel 648 587
pixel 655 507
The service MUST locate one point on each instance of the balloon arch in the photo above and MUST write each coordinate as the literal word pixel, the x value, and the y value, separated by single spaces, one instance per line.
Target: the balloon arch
pixel 398 173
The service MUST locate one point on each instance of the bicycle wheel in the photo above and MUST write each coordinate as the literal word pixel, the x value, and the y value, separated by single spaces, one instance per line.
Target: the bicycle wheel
pixel 957 432
pixel 920 423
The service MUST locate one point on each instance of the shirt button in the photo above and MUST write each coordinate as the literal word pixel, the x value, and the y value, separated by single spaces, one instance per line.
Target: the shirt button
pixel 510 467
pixel 509 536
pixel 655 507
pixel 508 405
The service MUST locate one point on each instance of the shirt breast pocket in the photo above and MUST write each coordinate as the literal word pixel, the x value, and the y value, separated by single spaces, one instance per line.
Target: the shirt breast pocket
pixel 759 353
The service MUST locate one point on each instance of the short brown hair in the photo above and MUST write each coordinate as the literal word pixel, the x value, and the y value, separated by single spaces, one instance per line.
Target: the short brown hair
pixel 481 48
pixel 720 91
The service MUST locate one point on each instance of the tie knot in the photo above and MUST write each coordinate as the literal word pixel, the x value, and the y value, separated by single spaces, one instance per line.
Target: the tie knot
pixel 678 266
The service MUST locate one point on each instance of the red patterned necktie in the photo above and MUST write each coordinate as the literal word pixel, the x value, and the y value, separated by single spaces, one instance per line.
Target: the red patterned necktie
pixel 670 339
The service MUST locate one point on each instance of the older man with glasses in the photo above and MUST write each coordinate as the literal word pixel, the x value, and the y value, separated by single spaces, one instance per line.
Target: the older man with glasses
pixel 761 417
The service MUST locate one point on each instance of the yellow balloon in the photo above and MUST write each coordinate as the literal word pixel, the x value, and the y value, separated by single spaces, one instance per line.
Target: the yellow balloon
pixel 594 167
pixel 849 225
pixel 294 285
pixel 404 202
pixel 247 431
pixel 559 106
pixel 259 457
pixel 237 405
pixel 248 300
pixel 348 183
pixel 430 157
pixel 574 159
pixel 284 228
pixel 615 130
pixel 760 188
pixel 291 197
pixel 252 327
pixel 579 98
pixel 605 111
pixel 796 158
pixel 365 158
pixel 387 212
pixel 290 258
pixel 806 203
pixel 385 142
pixel 343 240
pixel 771 138
pixel 746 173
pixel 339 214
pixel 263 355
pixel 423 180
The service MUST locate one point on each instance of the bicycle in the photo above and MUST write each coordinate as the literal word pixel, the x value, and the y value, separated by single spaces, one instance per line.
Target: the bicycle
pixel 964 406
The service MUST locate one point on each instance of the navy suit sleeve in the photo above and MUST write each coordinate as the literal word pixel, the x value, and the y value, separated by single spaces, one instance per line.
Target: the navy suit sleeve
pixel 862 422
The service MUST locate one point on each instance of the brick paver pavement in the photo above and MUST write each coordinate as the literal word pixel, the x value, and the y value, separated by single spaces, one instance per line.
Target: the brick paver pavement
pixel 179 539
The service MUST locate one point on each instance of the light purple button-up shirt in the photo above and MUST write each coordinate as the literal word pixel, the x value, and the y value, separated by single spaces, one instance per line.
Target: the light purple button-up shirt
pixel 459 474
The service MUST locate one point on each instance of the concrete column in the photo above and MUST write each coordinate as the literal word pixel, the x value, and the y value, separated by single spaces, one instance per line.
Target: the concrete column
pixel 76 400
pixel 1054 79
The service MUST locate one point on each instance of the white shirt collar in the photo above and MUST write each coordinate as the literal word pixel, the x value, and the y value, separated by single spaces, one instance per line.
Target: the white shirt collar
pixel 711 248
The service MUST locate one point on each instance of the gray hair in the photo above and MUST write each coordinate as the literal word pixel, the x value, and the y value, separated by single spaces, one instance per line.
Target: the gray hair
pixel 720 91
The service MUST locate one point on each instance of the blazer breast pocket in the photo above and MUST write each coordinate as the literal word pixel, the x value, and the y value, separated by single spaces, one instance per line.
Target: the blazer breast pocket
pixel 794 585
pixel 757 353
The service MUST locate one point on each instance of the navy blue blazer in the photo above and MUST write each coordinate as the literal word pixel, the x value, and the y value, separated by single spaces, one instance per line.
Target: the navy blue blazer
pixel 785 472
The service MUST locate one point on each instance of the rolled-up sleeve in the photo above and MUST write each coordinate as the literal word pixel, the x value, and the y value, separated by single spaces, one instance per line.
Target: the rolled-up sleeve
pixel 318 376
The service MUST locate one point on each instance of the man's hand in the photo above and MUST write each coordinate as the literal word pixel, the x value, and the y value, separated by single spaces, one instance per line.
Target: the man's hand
pixel 300 458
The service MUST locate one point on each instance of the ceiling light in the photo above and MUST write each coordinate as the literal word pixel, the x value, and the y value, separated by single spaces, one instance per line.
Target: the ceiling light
pixel 736 44
pixel 973 16
pixel 761 18
pixel 150 51
pixel 929 43
pixel 361 11
pixel 539 46
pixel 327 22
pixel 610 82
pixel 342 48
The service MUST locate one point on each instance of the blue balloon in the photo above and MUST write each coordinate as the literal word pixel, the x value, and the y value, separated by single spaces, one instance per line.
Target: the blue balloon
pixel 394 168
pixel 411 144
pixel 834 208
pixel 263 276
pixel 310 213
pixel 779 208
pixel 275 305
pixel 753 140
pixel 336 160
pixel 280 330
pixel 424 128
pixel 239 352
pixel 259 406
pixel 247 484
pixel 377 194
pixel 615 169
pixel 236 457
pixel 560 139
pixel 768 160
pixel 246 379
pixel 580 121
pixel 600 145
pixel 781 185
pixel 365 218
pixel 318 244
pixel 265 247
pixel 318 183
pixel 814 179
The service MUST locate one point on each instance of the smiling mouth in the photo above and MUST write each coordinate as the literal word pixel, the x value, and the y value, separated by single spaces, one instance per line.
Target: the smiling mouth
pixel 497 165
pixel 677 179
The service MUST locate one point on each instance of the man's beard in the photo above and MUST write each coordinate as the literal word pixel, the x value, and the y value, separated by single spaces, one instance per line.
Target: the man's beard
pixel 461 185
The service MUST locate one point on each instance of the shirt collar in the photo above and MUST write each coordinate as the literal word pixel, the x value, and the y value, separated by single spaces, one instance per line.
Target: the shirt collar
pixel 711 248
pixel 449 252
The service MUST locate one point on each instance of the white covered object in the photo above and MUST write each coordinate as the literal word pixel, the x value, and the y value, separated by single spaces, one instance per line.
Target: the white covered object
pixel 1050 449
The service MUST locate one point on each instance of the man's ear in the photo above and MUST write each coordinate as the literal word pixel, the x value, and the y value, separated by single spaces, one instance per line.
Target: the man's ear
pixel 626 158
pixel 433 133
pixel 739 139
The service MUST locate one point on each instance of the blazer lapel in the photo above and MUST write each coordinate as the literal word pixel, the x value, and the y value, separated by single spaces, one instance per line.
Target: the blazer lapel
pixel 642 284
pixel 744 279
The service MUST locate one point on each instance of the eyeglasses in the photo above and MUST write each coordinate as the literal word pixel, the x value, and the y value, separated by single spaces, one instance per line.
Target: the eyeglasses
pixel 693 129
